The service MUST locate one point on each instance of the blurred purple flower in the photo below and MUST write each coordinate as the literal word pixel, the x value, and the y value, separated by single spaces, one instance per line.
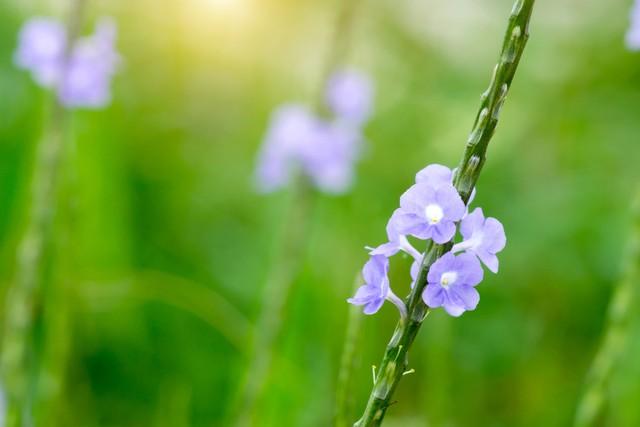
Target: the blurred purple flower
pixel 291 127
pixel 376 288
pixel 430 212
pixel 325 152
pixel 84 80
pixel 450 283
pixel 632 38
pixel 41 46
pixel 330 156
pixel 482 237
pixel 349 95
pixel 93 63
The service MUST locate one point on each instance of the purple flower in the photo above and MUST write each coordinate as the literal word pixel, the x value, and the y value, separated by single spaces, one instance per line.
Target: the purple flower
pixel 436 175
pixel 91 66
pixel 632 37
pixel 482 237
pixel 41 46
pixel 84 81
pixel 376 288
pixel 349 95
pixel 329 157
pixel 430 212
pixel 397 241
pixel 325 152
pixel 291 127
pixel 450 283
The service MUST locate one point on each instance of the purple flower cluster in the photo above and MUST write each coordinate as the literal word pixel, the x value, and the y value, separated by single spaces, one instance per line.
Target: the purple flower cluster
pixel 632 37
pixel 325 150
pixel 432 209
pixel 80 74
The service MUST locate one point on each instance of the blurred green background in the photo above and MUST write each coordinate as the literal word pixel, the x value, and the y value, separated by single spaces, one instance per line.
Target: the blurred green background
pixel 166 247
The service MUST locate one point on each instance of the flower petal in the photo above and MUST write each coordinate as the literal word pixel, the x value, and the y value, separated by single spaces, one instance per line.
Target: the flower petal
pixel 468 295
pixel 435 175
pixel 443 232
pixel 469 269
pixel 494 237
pixel 488 259
pixel 472 223
pixel 373 306
pixel 433 296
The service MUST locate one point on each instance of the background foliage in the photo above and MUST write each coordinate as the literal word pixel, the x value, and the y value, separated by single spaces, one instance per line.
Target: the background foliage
pixel 169 245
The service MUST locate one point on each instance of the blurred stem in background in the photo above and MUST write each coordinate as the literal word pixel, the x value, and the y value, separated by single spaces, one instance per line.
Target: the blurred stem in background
pixel 395 361
pixel 344 399
pixel 615 337
pixel 292 247
pixel 24 294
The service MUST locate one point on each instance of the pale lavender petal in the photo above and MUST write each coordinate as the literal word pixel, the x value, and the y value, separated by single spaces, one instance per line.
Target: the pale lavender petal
pixel 435 175
pixel 373 306
pixel 471 223
pixel 364 294
pixel 494 237
pixel 452 204
pixel 417 197
pixel 433 296
pixel 453 309
pixel 392 227
pixel 443 232
pixel 406 222
pixel 468 295
pixel 375 270
pixel 387 249
pixel 421 231
pixel 470 270
pixel 376 288
pixel 488 259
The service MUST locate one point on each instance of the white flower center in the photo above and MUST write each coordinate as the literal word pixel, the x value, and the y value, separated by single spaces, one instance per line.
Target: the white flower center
pixel 433 213
pixel 448 278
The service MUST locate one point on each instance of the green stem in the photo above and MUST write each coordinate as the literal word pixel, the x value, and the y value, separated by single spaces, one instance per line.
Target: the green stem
pixel 277 287
pixel 16 358
pixel 289 258
pixel 347 361
pixel 616 334
pixel 395 360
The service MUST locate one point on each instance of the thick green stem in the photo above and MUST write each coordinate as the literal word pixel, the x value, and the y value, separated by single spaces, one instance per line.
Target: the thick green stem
pixel 616 335
pixel 395 360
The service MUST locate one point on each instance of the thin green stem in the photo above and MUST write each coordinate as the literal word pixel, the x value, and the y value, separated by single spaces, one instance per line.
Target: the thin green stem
pixel 16 361
pixel 347 361
pixel 277 288
pixel 617 332
pixel 395 360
